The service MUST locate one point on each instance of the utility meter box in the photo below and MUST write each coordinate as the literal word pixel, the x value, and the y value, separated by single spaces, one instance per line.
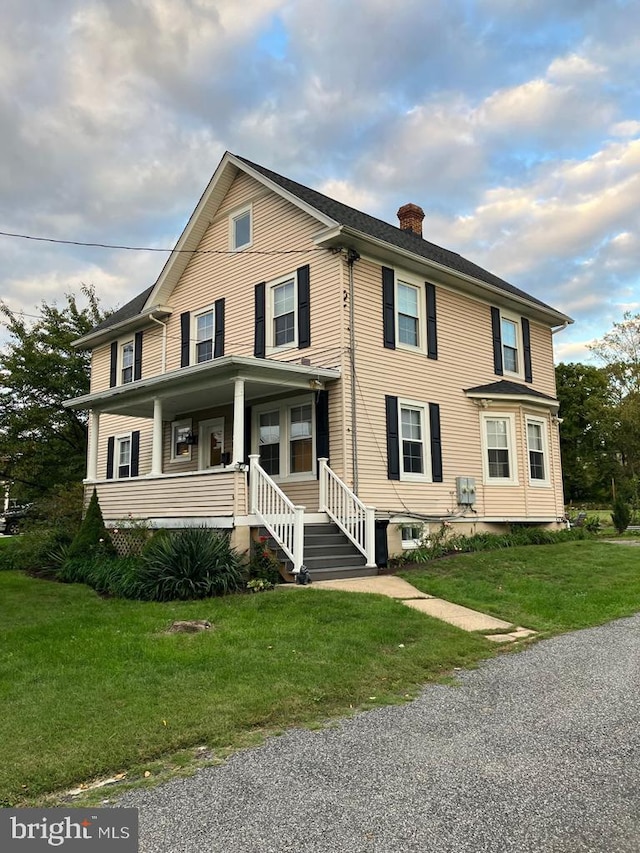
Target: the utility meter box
pixel 466 491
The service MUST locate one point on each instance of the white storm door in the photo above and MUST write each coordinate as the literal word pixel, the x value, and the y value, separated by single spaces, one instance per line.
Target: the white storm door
pixel 210 443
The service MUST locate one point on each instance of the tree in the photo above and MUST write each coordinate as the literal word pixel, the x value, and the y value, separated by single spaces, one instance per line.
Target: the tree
pixel 42 444
pixel 586 441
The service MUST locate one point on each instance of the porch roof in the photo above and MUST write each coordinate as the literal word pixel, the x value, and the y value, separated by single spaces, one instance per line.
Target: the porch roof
pixel 204 385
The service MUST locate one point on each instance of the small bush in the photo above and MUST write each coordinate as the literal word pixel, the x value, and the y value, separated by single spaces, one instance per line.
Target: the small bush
pixel 39 552
pixel 191 563
pixel 92 539
pixel 264 563
pixel 117 576
pixel 621 515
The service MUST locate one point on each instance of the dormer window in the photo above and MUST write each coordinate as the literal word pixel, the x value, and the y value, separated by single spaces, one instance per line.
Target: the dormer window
pixel 241 229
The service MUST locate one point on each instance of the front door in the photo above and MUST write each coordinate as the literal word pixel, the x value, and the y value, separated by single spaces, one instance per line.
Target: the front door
pixel 210 443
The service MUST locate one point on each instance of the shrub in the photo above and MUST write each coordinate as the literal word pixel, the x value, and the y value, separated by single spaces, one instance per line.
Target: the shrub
pixel 39 552
pixel 191 563
pixel 442 544
pixel 117 576
pixel 620 515
pixel 264 563
pixel 92 538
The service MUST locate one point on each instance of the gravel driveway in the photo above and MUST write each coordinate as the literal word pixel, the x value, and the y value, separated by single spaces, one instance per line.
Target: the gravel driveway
pixel 533 751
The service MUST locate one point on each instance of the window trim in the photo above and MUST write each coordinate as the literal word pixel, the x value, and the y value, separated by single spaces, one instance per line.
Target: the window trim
pixel 423 408
pixel 233 218
pixel 209 309
pixel 542 422
pixel 517 322
pixel 270 314
pixel 284 406
pixel 122 343
pixel 513 479
pixel 420 289
pixel 125 436
pixel 410 544
pixel 186 423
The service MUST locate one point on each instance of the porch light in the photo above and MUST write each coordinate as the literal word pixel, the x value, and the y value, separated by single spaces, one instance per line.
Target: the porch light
pixel 191 439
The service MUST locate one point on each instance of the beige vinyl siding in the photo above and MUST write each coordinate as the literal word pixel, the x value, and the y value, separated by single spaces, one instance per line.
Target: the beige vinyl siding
pixel 465 359
pixel 100 368
pixel 151 351
pixel 277 224
pixel 303 493
pixel 204 495
pixel 113 425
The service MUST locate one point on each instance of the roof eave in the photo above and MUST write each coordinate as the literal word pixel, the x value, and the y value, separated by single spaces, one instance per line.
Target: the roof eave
pixel 335 235
pixel 510 397
pixel 95 339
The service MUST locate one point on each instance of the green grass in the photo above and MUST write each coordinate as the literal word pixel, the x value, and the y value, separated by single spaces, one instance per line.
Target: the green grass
pixel 92 686
pixel 550 588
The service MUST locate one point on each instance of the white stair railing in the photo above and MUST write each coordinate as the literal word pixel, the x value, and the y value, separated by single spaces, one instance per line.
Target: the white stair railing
pixel 356 520
pixel 282 518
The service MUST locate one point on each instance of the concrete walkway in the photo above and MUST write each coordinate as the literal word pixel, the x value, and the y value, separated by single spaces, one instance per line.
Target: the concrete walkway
pixel 454 614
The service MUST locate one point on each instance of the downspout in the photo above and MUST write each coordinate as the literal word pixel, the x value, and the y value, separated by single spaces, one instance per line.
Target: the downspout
pixel 352 257
pixel 163 368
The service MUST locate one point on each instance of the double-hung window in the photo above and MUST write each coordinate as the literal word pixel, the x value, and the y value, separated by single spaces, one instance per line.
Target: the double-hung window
pixel 204 332
pixel 537 451
pixel 510 346
pixel 240 229
pixel 123 456
pixel 408 314
pixel 126 362
pixel 181 441
pixel 300 439
pixel 499 453
pixel 284 313
pixel 414 438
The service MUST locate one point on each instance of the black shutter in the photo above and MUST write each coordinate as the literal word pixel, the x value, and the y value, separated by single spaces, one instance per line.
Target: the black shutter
pixel 526 347
pixel 218 348
pixel 497 342
pixel 322 424
pixel 137 356
pixel 185 332
pixel 259 339
pixel 304 308
pixel 388 308
pixel 111 447
pixel 436 442
pixel 432 329
pixel 135 452
pixel 247 433
pixel 393 439
pixel 113 369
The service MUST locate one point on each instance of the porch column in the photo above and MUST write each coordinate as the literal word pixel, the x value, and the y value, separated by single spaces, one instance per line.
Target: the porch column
pixel 237 454
pixel 156 448
pixel 93 441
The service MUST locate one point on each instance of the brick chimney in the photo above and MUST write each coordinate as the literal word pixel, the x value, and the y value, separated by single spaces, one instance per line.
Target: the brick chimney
pixel 410 217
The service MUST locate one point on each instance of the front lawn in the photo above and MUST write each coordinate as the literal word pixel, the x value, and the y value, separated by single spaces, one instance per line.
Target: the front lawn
pixel 92 686
pixel 547 587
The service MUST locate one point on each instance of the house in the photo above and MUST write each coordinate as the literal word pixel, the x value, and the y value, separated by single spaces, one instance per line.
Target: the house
pixel 299 362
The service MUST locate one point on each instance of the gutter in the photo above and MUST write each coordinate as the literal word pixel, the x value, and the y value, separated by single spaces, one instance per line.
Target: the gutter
pixel 103 335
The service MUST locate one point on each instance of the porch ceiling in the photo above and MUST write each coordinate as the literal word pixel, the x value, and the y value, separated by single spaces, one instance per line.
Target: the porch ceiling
pixel 205 385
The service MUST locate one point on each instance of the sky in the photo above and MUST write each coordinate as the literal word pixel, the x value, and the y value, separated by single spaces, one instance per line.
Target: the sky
pixel 515 124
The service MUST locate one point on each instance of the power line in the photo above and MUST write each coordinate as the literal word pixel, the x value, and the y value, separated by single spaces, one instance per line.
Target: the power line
pixel 157 249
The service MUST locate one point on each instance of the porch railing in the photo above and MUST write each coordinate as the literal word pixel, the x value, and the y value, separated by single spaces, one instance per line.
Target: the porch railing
pixel 282 518
pixel 356 520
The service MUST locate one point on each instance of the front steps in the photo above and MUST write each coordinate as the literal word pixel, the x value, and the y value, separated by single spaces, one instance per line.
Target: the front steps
pixel 328 554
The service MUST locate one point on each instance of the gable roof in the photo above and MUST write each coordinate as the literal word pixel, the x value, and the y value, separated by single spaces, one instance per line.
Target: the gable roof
pixel 329 212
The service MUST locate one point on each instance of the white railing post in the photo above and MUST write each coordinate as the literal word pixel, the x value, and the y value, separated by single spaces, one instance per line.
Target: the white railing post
pixel 298 538
pixel 253 482
pixel 322 475
pixel 370 536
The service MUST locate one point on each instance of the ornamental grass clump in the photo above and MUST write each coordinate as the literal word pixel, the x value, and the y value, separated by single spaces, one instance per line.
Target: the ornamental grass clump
pixel 186 564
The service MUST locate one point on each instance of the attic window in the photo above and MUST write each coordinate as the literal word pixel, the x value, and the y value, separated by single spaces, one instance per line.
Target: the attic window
pixel 241 229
